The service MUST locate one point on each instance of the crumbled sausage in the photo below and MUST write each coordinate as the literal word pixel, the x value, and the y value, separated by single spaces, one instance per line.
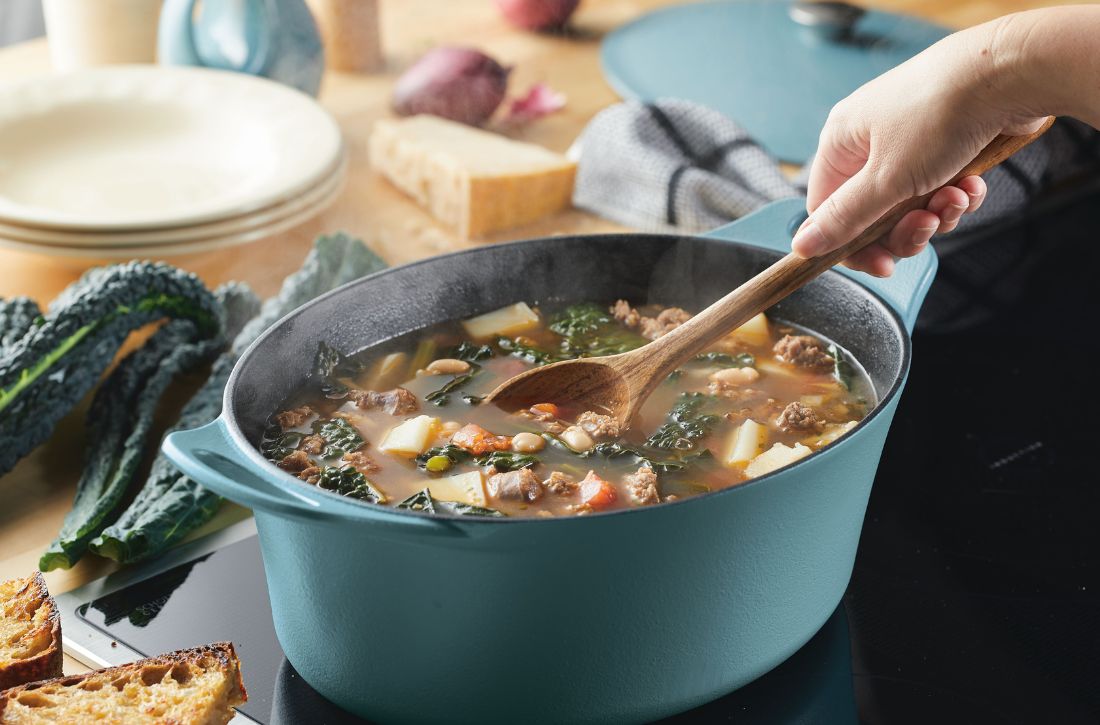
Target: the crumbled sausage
pixel 521 485
pixel 361 461
pixel 665 322
pixel 561 484
pixel 295 462
pixel 802 350
pixel 650 327
pixel 393 402
pixel 642 486
pixel 294 417
pixel 624 313
pixel 314 444
pixel 598 426
pixel 311 474
pixel 798 417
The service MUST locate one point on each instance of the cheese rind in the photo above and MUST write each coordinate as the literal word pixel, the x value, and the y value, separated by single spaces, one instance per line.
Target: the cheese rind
pixel 472 180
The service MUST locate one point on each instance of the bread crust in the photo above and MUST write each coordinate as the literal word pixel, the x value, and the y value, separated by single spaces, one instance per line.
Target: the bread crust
pixel 48 662
pixel 219 655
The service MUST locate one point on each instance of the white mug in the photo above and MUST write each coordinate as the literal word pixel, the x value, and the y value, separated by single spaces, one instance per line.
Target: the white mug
pixel 84 33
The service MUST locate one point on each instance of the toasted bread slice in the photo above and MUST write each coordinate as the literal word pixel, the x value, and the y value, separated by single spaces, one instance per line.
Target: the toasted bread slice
pixel 30 632
pixel 197 686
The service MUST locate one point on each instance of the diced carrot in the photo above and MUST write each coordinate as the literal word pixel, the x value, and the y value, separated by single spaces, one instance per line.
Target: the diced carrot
pixel 479 441
pixel 549 408
pixel 597 492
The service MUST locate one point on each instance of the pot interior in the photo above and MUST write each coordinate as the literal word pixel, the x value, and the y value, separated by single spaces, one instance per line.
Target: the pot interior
pixel 689 272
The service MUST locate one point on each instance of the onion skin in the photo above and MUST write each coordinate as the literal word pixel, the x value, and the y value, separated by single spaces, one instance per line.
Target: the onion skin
pixel 537 14
pixel 460 84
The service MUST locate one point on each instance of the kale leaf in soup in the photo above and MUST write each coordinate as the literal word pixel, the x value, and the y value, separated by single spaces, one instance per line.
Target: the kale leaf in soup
pixel 402 425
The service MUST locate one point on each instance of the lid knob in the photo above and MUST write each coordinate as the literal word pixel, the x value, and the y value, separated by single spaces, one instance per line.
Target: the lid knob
pixel 831 18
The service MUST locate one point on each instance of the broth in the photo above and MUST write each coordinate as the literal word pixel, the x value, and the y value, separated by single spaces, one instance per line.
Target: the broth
pixel 401 424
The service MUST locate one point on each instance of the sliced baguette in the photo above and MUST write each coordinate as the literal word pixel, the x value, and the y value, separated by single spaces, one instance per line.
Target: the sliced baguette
pixel 30 632
pixel 197 686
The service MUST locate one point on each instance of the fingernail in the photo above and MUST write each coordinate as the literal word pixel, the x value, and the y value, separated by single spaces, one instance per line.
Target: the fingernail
pixel 809 241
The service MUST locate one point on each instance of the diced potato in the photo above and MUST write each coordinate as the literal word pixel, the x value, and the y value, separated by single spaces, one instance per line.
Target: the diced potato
pixel 464 487
pixel 813 401
pixel 830 434
pixel 755 331
pixel 506 321
pixel 387 372
pixel 774 367
pixel 774 458
pixel 745 443
pixel 410 438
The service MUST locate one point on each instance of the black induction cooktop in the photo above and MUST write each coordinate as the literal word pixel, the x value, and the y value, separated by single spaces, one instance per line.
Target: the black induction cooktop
pixel 976 591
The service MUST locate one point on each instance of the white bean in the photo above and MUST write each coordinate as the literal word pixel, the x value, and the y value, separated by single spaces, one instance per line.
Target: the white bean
pixel 576 438
pixel 449 428
pixel 527 442
pixel 735 376
pixel 448 366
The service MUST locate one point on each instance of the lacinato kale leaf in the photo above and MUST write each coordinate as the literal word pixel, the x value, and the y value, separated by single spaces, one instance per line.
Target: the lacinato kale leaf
pixel 470 352
pixel 441 396
pixel 17 316
pixel 725 360
pixel 451 452
pixel 56 362
pixel 686 423
pixel 277 445
pixel 118 424
pixel 422 501
pixel 661 464
pixel 589 331
pixel 340 436
pixel 351 483
pixel 526 351
pixel 170 505
pixel 842 369
pixel 419 501
pixel 508 461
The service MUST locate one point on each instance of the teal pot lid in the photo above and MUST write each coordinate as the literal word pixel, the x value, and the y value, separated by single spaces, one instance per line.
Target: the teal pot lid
pixel 751 60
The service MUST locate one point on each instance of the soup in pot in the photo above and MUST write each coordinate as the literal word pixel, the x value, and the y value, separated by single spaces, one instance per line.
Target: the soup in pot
pixel 403 425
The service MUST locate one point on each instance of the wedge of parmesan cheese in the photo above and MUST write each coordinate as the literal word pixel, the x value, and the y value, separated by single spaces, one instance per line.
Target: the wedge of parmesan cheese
pixel 472 180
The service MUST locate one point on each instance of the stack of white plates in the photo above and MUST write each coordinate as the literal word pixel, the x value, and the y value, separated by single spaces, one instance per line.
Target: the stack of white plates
pixel 131 161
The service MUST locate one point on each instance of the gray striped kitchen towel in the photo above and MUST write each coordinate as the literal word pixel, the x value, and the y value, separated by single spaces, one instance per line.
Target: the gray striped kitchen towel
pixel 674 165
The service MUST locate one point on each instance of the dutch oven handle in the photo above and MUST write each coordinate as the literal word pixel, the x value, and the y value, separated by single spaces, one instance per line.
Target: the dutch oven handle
pixel 773 226
pixel 210 456
pixel 206 455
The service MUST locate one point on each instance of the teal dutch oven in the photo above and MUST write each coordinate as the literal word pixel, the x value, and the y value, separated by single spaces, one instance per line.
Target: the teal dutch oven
pixel 616 617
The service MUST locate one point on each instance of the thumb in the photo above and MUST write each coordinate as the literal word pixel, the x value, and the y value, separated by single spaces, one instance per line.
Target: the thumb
pixel 849 210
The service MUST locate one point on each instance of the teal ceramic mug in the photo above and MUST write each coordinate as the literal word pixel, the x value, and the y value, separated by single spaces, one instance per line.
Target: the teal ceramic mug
pixel 615 617
pixel 276 39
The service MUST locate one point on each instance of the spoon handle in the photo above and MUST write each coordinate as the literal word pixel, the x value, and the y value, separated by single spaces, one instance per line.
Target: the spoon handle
pixel 792 272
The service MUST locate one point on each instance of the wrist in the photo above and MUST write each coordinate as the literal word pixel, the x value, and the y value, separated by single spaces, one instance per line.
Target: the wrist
pixel 1003 85
pixel 1040 63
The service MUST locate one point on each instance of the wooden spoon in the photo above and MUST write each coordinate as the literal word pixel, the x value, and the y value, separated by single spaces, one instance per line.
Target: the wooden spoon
pixel 617 385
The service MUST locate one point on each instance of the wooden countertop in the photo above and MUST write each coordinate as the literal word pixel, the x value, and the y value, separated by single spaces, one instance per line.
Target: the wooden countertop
pixel 37 494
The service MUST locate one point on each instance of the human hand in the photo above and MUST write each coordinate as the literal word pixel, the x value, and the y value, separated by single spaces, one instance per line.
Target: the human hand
pixel 904 134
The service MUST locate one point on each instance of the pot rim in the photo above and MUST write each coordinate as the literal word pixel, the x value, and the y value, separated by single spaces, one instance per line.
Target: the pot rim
pixel 354 509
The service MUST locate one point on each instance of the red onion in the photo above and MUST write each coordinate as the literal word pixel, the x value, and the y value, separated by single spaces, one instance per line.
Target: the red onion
pixel 461 84
pixel 537 14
